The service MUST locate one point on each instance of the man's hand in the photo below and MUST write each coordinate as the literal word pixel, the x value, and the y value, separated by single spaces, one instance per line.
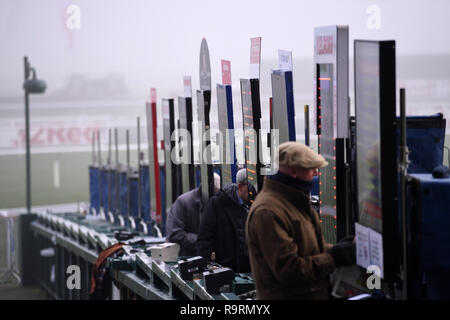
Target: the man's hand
pixel 344 253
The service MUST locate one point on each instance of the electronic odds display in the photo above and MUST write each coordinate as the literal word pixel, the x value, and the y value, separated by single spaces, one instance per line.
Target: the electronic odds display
pixel 332 125
pixel 376 162
pixel 250 140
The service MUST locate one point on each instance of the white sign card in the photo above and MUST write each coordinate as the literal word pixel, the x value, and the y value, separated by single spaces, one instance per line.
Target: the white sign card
pixel 285 60
pixel 362 246
pixel 369 248
pixel 255 57
pixel 187 84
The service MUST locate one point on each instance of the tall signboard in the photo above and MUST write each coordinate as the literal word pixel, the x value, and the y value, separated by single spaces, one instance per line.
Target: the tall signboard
pixel 204 107
pixel 332 125
pixel 185 116
pixel 226 123
pixel 377 240
pixel 154 181
pixel 251 112
pixel 170 166
pixel 283 114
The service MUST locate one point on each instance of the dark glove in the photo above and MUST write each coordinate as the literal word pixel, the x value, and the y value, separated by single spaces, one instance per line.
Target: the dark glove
pixel 344 253
pixel 347 239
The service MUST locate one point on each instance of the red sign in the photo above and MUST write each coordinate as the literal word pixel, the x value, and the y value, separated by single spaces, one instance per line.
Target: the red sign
pixel 325 44
pixel 226 72
pixel 153 95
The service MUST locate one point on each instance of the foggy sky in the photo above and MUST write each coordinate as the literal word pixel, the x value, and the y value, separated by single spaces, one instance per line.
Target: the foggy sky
pixel 155 43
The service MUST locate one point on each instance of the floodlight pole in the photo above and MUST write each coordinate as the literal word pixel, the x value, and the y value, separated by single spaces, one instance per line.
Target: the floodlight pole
pixel 27 137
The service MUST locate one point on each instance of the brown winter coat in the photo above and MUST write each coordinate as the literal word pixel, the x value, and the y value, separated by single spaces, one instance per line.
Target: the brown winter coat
pixel 288 255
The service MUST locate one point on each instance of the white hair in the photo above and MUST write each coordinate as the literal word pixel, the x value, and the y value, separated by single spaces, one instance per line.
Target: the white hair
pixel 216 182
pixel 241 176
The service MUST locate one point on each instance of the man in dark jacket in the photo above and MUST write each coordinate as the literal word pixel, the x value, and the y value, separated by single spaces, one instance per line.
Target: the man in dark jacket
pixel 288 255
pixel 222 228
pixel 183 219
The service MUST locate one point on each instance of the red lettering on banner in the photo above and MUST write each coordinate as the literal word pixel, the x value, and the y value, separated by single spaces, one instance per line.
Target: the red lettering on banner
pixel 52 132
pixel 73 135
pixel 89 134
pixel 325 44
pixel 36 138
pixel 56 136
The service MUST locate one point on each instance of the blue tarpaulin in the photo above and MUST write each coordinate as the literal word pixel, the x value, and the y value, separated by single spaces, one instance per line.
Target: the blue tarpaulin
pixel 134 201
pixel 94 189
pixel 104 189
pixel 434 235
pixel 112 190
pixel 425 139
pixel 123 183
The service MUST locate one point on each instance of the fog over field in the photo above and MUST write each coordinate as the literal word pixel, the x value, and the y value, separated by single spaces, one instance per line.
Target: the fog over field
pixel 100 58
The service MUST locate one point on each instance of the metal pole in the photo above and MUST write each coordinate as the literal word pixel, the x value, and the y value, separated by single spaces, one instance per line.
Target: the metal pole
pixel 108 172
pixel 139 168
pixel 100 187
pixel 403 173
pixel 128 173
pixel 94 161
pixel 307 125
pixel 99 151
pixel 117 171
pixel 109 147
pixel 27 137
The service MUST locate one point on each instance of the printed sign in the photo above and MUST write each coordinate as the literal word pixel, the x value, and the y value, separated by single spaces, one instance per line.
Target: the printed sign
pixel 362 245
pixel 369 247
pixel 226 72
pixel 325 44
pixel 165 107
pixel 285 60
pixel 187 84
pixel 255 57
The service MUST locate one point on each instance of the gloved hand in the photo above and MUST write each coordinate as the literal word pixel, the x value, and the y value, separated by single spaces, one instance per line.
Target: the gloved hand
pixel 344 253
pixel 347 239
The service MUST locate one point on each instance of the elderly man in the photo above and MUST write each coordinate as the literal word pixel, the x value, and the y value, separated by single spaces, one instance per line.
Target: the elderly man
pixel 183 219
pixel 222 229
pixel 288 255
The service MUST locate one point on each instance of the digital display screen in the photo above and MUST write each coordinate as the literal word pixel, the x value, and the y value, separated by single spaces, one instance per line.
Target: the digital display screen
pixel 367 107
pixel 327 148
pixel 250 140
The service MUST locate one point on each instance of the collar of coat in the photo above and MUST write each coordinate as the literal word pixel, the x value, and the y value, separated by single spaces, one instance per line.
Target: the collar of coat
pixel 297 197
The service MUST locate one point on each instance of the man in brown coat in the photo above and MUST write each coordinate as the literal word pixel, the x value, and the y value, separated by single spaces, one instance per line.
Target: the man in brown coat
pixel 288 256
